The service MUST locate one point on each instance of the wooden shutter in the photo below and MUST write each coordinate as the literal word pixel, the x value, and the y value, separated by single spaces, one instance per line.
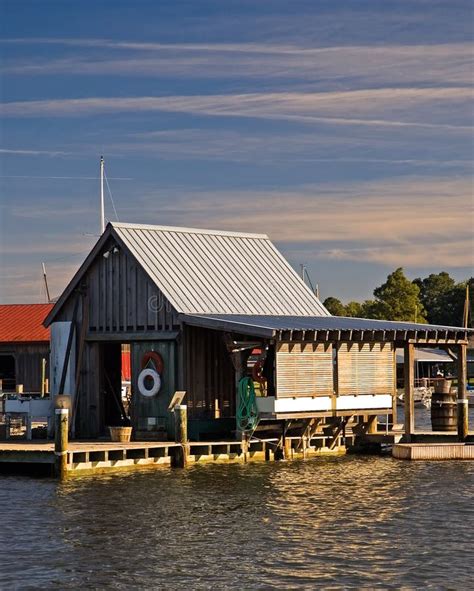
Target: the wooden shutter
pixel 365 368
pixel 304 369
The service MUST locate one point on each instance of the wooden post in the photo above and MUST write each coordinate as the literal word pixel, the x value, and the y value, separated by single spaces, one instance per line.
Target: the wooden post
pixel 267 451
pixel 43 376
pixel 181 435
pixel 463 415
pixel 244 446
pixel 372 424
pixel 61 441
pixel 409 378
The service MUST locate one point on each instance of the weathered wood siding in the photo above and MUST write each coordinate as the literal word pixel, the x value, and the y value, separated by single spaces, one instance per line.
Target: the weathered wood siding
pixel 209 376
pixel 89 417
pixel 28 360
pixel 151 414
pixel 304 369
pixel 122 298
pixel 365 368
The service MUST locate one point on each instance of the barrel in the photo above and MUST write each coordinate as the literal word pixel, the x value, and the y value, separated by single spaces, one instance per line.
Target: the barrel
pixel 443 411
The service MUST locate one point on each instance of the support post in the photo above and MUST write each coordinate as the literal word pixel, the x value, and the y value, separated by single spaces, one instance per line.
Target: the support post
pixel 61 441
pixel 409 378
pixel 244 446
pixel 463 414
pixel 181 435
pixel 372 424
pixel 43 376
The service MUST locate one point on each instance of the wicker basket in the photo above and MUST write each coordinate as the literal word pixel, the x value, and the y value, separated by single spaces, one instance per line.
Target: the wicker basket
pixel 120 434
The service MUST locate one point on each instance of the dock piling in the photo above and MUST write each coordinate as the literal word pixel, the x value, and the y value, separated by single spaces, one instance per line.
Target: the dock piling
pixel 61 441
pixel 181 435
pixel 462 401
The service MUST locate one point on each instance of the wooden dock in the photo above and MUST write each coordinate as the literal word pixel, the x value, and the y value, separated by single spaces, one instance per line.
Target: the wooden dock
pixel 95 457
pixel 433 451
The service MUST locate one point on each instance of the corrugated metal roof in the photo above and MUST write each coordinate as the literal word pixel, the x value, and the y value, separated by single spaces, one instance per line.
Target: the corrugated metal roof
pixel 23 323
pixel 215 272
pixel 264 324
pixel 427 355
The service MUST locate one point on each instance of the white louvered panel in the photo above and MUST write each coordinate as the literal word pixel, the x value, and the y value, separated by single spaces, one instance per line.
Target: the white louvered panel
pixel 366 368
pixel 304 369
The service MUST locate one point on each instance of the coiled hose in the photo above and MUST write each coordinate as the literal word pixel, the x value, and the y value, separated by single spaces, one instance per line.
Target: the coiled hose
pixel 247 411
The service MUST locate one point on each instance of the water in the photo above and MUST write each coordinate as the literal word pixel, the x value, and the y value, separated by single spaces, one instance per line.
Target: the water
pixel 339 523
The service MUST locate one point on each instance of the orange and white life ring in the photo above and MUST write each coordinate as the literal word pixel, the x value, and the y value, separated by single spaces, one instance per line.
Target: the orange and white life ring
pixel 155 358
pixel 156 382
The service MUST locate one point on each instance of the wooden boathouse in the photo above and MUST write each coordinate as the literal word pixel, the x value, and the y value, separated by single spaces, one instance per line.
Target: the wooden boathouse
pixel 202 311
pixel 24 347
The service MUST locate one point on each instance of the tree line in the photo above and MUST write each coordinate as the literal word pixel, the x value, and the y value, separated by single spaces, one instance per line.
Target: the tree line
pixel 436 299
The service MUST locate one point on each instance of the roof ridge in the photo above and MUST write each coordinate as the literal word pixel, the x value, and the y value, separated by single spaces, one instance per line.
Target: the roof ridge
pixel 185 230
pixel 33 304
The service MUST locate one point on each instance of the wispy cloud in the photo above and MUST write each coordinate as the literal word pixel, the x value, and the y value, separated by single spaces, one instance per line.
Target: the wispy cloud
pixel 442 64
pixel 446 108
pixel 265 146
pixel 25 152
pixel 394 221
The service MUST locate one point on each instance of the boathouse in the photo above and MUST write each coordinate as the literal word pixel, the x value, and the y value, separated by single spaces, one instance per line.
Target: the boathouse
pixel 216 314
pixel 24 347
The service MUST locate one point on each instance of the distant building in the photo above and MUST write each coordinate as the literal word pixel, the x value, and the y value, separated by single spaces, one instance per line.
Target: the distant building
pixel 24 343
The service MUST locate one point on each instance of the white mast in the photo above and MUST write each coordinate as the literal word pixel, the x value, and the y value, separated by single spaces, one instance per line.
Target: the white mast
pixel 102 210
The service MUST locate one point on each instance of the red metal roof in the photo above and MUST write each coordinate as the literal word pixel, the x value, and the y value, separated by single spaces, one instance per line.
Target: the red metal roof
pixel 23 322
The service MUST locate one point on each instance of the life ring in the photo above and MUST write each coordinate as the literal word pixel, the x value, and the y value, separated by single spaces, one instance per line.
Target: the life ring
pixel 257 375
pixel 155 358
pixel 155 376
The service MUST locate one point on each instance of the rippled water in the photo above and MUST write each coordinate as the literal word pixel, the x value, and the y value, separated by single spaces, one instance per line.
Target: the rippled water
pixel 341 523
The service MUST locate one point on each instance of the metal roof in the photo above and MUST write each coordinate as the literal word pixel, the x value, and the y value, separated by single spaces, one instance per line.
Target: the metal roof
pixel 216 272
pixel 270 326
pixel 23 323
pixel 427 356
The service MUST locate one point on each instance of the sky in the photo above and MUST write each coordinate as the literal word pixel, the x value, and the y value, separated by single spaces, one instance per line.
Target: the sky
pixel 341 128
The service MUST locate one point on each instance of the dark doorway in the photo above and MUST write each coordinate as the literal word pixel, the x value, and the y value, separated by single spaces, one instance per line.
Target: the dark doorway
pixel 113 410
pixel 8 372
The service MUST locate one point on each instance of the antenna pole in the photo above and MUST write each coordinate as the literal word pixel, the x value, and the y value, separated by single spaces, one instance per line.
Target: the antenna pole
pixel 102 207
pixel 46 283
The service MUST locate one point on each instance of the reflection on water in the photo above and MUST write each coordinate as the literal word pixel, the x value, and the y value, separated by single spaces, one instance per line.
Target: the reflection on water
pixel 341 523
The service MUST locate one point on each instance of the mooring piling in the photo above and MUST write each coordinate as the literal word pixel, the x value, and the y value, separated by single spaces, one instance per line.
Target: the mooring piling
pixel 181 435
pixel 61 441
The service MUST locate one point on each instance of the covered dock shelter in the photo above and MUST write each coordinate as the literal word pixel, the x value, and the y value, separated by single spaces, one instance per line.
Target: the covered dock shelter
pixel 203 310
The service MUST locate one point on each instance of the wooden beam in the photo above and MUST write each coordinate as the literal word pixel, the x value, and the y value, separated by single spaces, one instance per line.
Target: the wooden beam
pixel 409 375
pixel 463 415
pixel 125 337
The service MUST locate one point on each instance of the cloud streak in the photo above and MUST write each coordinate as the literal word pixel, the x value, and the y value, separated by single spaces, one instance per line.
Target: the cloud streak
pixel 446 108
pixel 408 221
pixel 442 64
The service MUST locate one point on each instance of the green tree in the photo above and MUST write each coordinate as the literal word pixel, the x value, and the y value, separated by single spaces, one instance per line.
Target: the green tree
pixel 354 309
pixel 436 293
pixel 452 304
pixel 372 309
pixel 334 306
pixel 398 299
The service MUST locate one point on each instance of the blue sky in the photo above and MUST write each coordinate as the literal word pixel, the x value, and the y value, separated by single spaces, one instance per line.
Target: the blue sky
pixel 342 129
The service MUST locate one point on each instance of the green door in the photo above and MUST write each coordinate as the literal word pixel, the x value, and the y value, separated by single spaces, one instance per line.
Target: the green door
pixel 149 413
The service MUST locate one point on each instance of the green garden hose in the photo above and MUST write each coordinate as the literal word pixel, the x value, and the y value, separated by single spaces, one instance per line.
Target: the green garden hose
pixel 247 411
